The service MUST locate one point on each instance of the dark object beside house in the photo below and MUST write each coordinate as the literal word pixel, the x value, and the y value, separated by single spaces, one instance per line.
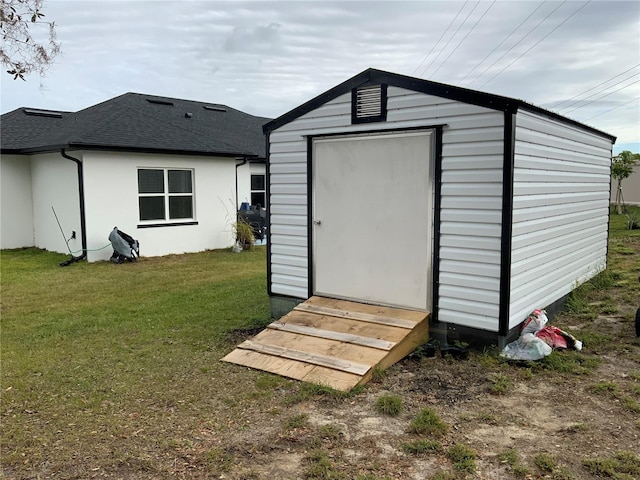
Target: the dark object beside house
pixel 256 216
pixel 124 247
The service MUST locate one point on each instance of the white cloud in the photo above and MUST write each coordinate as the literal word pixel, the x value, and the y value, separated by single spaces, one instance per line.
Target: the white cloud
pixel 268 57
pixel 261 38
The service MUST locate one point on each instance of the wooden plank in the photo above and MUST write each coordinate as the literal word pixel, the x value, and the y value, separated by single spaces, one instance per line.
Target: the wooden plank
pixel 415 338
pixel 294 369
pixel 364 317
pixel 393 312
pixel 345 325
pixel 268 363
pixel 332 378
pixel 334 342
pixel 323 346
pixel 332 335
pixel 313 358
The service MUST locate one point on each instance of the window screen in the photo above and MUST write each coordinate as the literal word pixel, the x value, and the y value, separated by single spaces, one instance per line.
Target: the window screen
pixel 165 194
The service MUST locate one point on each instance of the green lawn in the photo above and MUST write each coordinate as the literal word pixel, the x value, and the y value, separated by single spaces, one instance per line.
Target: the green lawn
pixel 101 361
pixel 618 223
pixel 113 371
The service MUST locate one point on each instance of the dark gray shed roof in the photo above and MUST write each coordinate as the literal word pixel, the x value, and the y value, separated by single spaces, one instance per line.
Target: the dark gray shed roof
pixel 474 97
pixel 137 122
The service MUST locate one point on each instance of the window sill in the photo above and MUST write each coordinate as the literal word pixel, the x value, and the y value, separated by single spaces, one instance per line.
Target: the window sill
pixel 173 224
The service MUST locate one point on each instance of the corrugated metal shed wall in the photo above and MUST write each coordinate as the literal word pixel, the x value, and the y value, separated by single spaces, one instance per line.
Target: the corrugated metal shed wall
pixel 471 198
pixel 560 211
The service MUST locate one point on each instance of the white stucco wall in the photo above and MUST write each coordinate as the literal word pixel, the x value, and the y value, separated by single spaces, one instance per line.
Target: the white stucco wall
pixel 244 180
pixel 55 187
pixel 112 180
pixel 16 225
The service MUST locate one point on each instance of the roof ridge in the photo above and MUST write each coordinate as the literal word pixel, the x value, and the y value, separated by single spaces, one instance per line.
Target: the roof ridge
pixel 129 122
pixel 475 97
pixel 180 127
pixel 83 136
pixel 101 103
pixel 200 102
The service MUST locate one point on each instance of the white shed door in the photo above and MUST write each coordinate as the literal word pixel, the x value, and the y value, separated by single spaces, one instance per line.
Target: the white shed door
pixel 372 218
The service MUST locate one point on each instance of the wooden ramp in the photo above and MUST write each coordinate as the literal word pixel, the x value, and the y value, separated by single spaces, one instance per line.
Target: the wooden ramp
pixel 334 342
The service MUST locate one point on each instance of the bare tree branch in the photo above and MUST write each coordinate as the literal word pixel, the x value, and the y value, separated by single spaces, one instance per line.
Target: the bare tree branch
pixel 21 27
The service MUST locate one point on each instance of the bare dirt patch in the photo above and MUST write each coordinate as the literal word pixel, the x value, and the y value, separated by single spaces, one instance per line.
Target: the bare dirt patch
pixel 560 414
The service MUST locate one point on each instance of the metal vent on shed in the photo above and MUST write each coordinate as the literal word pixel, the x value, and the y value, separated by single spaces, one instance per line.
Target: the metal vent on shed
pixel 369 103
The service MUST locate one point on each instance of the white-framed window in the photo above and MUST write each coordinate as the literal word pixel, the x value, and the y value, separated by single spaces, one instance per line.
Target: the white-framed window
pixel 258 190
pixel 165 194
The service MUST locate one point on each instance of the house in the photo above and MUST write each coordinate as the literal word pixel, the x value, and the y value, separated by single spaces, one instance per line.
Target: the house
pixel 630 188
pixel 169 172
pixel 403 192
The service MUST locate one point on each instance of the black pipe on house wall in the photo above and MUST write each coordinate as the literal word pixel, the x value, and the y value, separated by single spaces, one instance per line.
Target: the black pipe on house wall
pixel 83 228
pixel 243 162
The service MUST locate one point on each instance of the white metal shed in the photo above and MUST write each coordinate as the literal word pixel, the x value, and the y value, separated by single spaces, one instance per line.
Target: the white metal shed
pixel 403 192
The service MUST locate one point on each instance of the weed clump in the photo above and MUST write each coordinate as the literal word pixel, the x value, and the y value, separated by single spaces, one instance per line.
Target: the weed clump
pixel 427 422
pixel 545 462
pixel 296 421
pixel 319 466
pixel 421 446
pixel 463 458
pixel 389 405
pixel 621 464
pixel 500 384
pixel 510 457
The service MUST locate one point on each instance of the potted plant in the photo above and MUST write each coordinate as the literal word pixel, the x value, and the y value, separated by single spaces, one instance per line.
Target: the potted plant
pixel 244 234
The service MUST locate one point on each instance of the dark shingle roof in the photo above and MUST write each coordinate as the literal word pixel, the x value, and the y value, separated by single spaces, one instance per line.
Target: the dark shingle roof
pixel 137 122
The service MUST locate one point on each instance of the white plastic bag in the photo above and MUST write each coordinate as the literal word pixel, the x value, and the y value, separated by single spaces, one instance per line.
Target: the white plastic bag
pixel 534 322
pixel 527 347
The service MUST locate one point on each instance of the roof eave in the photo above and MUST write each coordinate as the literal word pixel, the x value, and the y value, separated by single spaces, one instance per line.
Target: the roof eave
pixel 111 148
pixel 168 151
pixel 34 150
pixel 488 100
pixel 561 118
pixel 474 97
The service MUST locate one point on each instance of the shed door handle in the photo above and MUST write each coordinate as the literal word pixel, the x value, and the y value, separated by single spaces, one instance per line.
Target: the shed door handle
pixel 317 222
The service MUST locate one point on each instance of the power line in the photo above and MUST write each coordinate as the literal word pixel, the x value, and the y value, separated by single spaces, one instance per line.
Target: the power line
pixel 465 37
pixel 614 108
pixel 597 93
pixel 610 93
pixel 453 36
pixel 502 42
pixel 535 44
pixel 518 42
pixel 592 88
pixel 441 36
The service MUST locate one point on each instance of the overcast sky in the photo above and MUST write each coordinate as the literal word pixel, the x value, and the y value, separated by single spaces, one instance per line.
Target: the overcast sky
pixel 578 58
